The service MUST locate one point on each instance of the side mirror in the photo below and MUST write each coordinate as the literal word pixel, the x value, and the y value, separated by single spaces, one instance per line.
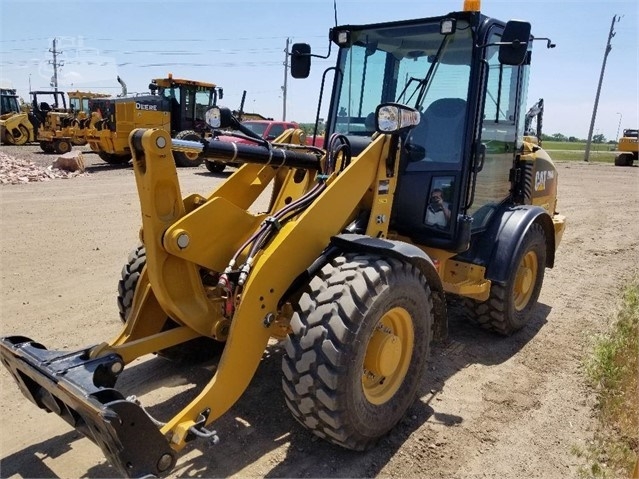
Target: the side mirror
pixel 220 93
pixel 300 60
pixel 514 43
pixel 395 118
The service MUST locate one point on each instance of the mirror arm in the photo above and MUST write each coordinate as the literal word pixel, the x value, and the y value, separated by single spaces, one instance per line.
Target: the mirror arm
pixel 549 43
pixel 515 43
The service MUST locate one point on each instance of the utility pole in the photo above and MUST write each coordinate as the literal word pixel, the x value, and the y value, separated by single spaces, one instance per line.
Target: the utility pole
pixel 285 79
pixel 615 19
pixel 56 64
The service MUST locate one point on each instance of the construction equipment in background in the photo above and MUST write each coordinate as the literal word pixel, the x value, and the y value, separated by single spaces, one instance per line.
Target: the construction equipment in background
pixel 425 189
pixel 174 105
pixel 54 122
pixel 241 115
pixel 84 119
pixel 628 147
pixel 534 114
pixel 16 127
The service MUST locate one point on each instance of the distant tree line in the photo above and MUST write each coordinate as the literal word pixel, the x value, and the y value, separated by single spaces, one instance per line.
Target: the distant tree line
pixel 599 138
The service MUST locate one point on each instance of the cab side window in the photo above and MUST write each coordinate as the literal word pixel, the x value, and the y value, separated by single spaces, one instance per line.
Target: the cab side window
pixel 498 136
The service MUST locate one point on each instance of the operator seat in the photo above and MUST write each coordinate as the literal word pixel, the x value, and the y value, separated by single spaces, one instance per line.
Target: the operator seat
pixel 441 130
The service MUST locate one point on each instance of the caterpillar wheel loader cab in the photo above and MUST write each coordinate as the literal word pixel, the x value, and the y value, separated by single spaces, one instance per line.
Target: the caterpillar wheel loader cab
pixel 435 193
pixel 174 105
pixel 16 127
pixel 628 147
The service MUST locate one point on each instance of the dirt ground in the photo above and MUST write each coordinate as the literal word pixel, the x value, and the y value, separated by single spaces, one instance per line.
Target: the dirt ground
pixel 489 406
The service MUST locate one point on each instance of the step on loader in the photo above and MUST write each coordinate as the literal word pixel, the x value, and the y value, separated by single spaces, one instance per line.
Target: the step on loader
pixel 424 189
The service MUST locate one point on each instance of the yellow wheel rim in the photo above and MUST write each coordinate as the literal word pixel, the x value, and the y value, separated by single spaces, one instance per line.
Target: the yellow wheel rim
pixel 525 280
pixel 192 156
pixel 388 355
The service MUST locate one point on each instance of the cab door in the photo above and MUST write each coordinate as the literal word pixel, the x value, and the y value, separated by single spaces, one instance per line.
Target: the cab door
pixel 499 134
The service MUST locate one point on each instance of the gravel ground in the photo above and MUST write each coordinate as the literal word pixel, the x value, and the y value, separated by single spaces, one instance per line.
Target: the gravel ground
pixel 33 153
pixel 488 406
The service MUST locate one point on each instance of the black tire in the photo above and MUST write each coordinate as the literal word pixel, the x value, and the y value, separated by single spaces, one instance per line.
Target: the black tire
pixel 624 159
pixel 510 306
pixel 334 380
pixel 46 146
pixel 113 159
pixel 214 166
pixel 194 351
pixel 187 160
pixel 62 146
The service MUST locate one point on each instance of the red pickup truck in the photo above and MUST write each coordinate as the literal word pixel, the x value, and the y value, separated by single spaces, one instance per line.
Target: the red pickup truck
pixel 267 129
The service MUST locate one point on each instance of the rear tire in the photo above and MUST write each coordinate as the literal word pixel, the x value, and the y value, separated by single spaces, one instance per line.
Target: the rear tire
pixel 113 159
pixel 624 159
pixel 187 160
pixel 510 306
pixel 194 351
pixel 46 146
pixel 358 348
pixel 214 166
pixel 62 146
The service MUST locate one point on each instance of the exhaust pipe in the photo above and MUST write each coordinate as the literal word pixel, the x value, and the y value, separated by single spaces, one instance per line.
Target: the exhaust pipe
pixel 121 82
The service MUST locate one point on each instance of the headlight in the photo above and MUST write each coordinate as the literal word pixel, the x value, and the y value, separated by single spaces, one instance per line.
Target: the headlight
pixel 394 117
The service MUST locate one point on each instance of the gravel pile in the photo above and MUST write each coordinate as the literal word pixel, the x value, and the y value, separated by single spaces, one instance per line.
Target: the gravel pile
pixel 15 171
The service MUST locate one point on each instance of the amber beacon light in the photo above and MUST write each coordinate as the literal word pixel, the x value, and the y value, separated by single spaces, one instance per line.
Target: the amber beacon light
pixel 472 5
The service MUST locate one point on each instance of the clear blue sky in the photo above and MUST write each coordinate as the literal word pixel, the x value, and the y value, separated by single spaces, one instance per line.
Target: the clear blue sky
pixel 239 45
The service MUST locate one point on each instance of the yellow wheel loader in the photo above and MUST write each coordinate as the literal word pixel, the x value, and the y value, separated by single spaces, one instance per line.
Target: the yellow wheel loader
pixel 174 105
pixel 424 189
pixel 628 147
pixel 16 127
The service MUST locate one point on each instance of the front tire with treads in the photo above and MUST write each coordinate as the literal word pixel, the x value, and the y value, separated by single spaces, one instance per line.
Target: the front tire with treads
pixel 196 350
pixel 358 348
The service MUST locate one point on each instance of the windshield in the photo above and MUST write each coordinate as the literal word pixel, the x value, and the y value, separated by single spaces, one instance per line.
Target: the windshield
pixel 410 64
pixel 258 128
pixel 9 104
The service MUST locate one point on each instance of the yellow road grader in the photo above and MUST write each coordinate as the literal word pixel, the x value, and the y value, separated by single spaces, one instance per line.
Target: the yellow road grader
pixel 424 189
pixel 174 105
